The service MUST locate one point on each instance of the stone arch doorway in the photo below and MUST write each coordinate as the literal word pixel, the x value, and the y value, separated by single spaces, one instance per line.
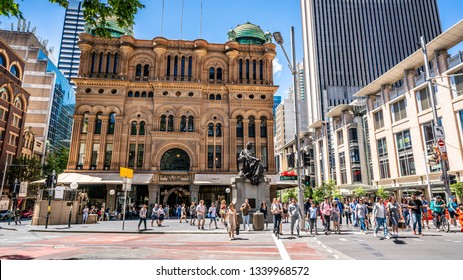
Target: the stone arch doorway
pixel 176 195
pixel 175 160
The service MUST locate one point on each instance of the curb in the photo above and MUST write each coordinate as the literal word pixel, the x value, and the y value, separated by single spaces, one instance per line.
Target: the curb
pixel 140 231
pixel 12 229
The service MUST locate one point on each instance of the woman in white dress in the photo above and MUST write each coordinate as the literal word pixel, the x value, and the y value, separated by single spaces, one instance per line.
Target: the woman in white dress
pixel 232 221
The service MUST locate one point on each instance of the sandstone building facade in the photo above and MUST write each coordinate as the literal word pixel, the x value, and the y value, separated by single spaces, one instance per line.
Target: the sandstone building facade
pixel 177 112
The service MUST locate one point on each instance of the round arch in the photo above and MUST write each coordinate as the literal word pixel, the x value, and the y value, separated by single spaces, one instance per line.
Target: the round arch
pixel 174 190
pixel 166 145
pixel 175 159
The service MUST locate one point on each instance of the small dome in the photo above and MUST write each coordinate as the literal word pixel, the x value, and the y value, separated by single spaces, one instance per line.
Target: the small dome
pixel 113 27
pixel 249 33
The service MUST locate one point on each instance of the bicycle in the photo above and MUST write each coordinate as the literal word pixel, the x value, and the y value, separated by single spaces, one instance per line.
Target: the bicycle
pixel 443 224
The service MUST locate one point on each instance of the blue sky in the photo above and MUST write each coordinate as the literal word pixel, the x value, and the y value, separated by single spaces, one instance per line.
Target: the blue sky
pixel 218 17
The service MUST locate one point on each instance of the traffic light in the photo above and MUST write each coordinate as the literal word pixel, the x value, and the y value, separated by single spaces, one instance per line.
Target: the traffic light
pixel 307 180
pixel 452 179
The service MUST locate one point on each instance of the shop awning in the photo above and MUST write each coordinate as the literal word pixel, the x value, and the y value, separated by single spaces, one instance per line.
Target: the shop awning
pixel 214 179
pixel 110 178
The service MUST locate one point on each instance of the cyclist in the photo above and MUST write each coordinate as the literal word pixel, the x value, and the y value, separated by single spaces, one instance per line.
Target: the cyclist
pixel 439 211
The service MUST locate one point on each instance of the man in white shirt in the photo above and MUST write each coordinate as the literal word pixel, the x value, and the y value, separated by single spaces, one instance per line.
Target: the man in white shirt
pixel 379 212
pixel 277 209
pixel 200 213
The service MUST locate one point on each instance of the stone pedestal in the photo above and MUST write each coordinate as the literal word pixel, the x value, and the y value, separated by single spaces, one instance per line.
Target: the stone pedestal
pixel 242 189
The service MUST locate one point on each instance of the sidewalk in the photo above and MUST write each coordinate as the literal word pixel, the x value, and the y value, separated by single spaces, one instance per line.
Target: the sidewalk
pixel 169 226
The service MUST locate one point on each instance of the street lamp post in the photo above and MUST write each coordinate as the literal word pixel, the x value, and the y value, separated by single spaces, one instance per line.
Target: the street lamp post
pixel 292 66
pixel 432 94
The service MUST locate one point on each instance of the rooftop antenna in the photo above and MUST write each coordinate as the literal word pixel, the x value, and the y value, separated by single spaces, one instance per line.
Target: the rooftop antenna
pixel 19 24
pixel 12 26
pixel 201 19
pixel 23 25
pixel 34 29
pixel 28 26
pixel 162 16
pixel 181 21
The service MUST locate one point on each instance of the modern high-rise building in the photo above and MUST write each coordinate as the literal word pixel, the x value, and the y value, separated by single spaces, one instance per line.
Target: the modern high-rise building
pixel 69 54
pixel 348 44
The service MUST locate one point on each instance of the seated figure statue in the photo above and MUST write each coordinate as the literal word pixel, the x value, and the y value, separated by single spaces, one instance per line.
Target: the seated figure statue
pixel 250 167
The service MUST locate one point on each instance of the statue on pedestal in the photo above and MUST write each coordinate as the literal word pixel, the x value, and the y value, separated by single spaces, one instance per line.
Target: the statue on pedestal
pixel 250 167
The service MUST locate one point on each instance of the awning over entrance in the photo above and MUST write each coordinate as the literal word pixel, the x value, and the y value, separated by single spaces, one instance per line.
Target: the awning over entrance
pixel 110 178
pixel 214 179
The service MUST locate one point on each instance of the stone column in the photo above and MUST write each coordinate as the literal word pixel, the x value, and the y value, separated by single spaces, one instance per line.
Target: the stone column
pixel 270 147
pixel 258 81
pixel 194 193
pixel 245 132
pixel 89 142
pixel 101 153
pixel 232 144
pixel 154 193
pixel 115 160
pixel 125 53
pixel 258 143
pixel 226 145
pixel 200 53
pixel 83 65
pixel 75 144
pixel 148 150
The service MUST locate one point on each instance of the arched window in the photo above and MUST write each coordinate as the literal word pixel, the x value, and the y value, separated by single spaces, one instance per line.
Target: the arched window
pixel 218 130
pixel 183 124
pixel 263 127
pixel 190 67
pixel 175 66
pixel 133 129
pixel 170 123
pixel 108 63
pixel 85 123
pixel 211 73
pixel 150 94
pixel 218 97
pixel 98 123
pixel 142 129
pixel 2 60
pixel 143 94
pixel 146 70
pixel 191 124
pixel 168 66
pixel 92 69
pixel 240 69
pixel 210 130
pixel 219 74
pixel 247 69
pixel 138 70
pixel 5 94
pixel 18 103
pixel 211 97
pixel 162 126
pixel 14 70
pixel 254 70
pixel 111 123
pixel 137 94
pixel 182 70
pixel 116 62
pixel 239 126
pixel 100 63
pixel 252 127
pixel 130 94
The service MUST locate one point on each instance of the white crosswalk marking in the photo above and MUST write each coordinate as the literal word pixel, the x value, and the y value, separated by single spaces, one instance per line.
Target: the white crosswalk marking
pixel 281 248
pixel 342 239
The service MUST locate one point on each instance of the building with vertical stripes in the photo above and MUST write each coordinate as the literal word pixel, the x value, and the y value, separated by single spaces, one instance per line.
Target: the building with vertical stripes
pixel 348 44
pixel 69 55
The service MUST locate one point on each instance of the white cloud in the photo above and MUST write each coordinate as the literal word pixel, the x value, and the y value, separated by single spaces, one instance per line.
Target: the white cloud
pixel 277 68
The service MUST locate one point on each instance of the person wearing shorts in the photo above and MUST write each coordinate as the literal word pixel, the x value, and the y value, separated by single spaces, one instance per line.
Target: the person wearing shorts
pixel 201 213
pixel 154 214
pixel 161 215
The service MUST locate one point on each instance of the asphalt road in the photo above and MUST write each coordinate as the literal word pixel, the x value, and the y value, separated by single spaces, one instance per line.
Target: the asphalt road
pixel 176 241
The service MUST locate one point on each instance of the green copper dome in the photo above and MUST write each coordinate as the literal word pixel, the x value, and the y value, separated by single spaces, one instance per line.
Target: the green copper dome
pixel 113 28
pixel 249 33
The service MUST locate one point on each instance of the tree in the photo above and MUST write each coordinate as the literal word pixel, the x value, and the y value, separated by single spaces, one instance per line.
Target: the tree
pixel 359 192
pixel 308 192
pixel 457 188
pixel 328 188
pixel 25 170
pixel 56 160
pixel 289 194
pixel 381 192
pixel 96 12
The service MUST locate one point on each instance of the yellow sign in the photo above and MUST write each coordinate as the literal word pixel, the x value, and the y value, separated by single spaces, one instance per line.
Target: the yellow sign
pixel 126 172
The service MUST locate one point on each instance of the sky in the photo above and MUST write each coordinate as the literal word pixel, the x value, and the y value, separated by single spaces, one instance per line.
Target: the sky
pixel 218 17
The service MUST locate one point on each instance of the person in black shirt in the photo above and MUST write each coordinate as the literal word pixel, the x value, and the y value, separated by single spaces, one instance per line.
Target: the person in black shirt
pixel 415 206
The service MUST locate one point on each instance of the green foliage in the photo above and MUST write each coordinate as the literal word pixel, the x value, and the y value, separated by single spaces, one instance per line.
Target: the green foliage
pixel 359 192
pixel 328 188
pixel 30 170
pixel 308 192
pixel 56 160
pixel 381 192
pixel 457 188
pixel 288 194
pixel 96 12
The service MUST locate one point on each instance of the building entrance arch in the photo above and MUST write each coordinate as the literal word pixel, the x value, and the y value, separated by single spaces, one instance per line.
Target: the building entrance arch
pixel 175 160
pixel 176 195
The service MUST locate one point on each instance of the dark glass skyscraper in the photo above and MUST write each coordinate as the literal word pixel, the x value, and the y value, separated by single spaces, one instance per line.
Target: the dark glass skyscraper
pixel 349 43
pixel 69 55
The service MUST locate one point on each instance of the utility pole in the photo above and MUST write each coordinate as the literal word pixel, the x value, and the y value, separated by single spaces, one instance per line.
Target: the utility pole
pixel 441 140
pixel 51 182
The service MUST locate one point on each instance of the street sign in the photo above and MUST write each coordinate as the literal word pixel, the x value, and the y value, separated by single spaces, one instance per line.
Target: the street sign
pixel 126 172
pixel 59 192
pixel 23 189
pixel 286 178
pixel 439 131
pixel 441 143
